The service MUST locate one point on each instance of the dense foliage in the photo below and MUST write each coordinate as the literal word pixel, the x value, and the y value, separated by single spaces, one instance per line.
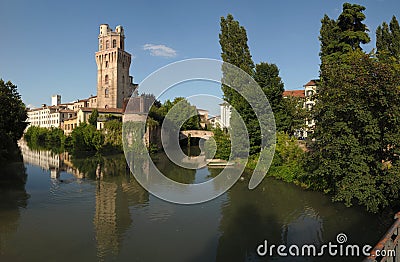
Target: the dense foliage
pixel 12 124
pixel 12 119
pixel 182 110
pixel 93 117
pixel 357 137
pixel 220 143
pixel 52 139
pixel 343 35
pixel 287 162
pixel 388 41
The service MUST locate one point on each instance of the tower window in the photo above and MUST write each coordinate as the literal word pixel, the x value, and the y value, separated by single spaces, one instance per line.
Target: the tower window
pixel 123 79
pixel 106 64
pixel 114 43
pixel 106 92
pixel 107 44
pixel 106 79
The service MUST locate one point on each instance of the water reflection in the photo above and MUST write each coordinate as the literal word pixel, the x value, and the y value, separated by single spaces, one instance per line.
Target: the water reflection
pixel 12 197
pixel 106 215
pixel 282 213
pixel 115 191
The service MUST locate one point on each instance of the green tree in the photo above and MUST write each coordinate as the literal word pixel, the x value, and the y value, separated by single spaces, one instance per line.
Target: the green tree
pixel 233 41
pixel 222 146
pixel 113 134
pixel 93 117
pixel 357 134
pixel 294 115
pixel 286 164
pixel 85 138
pixel 388 41
pixel 344 35
pixel 329 36
pixel 13 112
pixel 267 77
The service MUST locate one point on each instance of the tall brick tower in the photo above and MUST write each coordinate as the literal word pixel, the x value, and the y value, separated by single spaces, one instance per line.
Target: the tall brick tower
pixel 113 81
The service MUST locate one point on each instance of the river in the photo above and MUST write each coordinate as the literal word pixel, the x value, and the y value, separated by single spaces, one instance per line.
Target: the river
pixel 93 209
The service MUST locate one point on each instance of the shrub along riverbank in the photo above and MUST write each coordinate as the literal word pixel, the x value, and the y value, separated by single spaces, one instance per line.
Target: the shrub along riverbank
pixel 83 139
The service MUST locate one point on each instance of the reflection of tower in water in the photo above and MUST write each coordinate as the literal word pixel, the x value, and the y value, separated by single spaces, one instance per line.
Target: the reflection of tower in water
pixel 112 217
pixel 114 195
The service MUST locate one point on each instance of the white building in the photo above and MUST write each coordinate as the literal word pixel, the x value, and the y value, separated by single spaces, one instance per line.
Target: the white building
pixel 50 116
pixel 226 110
pixel 310 90
pixel 215 121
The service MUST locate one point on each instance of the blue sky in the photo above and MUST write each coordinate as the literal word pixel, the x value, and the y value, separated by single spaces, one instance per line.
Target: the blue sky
pixel 47 47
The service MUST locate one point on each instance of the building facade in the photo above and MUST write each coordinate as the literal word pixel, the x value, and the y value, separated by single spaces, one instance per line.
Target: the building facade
pixel 310 93
pixel 226 110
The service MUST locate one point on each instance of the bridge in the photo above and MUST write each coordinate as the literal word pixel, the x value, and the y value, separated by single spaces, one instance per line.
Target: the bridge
pixel 196 133
pixel 388 247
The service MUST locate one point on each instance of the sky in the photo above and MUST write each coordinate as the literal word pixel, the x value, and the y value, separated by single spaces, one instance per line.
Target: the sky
pixel 48 47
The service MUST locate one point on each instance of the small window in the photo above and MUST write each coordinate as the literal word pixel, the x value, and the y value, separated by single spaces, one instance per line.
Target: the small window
pixel 106 92
pixel 106 79
pixel 107 44
pixel 114 43
pixel 106 64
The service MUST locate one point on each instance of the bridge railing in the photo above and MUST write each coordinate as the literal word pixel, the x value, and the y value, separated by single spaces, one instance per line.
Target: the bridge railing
pixel 383 251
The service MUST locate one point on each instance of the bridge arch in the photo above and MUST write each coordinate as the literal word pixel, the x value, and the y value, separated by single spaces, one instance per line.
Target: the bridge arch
pixel 196 133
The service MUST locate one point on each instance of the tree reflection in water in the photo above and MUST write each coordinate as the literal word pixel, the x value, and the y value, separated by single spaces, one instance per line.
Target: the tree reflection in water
pixel 12 197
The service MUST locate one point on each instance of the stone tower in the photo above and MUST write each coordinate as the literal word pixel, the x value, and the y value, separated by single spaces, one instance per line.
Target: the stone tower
pixel 113 81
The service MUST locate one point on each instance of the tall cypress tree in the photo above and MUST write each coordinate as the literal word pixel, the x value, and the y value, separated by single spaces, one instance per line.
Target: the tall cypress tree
pixel 395 30
pixel 267 77
pixel 388 41
pixel 233 41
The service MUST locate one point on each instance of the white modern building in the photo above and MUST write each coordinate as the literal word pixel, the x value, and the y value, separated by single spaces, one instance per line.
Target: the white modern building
pixel 226 110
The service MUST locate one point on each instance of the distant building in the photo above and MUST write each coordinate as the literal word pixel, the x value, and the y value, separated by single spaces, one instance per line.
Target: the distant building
pixel 55 100
pixel 203 114
pixel 310 91
pixel 226 111
pixel 294 93
pixel 114 87
pixel 307 100
pixel 215 121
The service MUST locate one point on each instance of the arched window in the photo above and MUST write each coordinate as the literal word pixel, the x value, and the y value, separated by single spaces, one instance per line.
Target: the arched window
pixel 123 79
pixel 106 80
pixel 106 92
pixel 114 43
pixel 107 44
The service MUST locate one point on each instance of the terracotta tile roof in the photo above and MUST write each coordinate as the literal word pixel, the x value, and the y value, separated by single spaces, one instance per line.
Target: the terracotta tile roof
pixel 66 111
pixel 312 82
pixel 294 93
pixel 103 110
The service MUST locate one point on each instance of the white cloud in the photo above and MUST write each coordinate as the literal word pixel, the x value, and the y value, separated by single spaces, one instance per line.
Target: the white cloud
pixel 160 50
